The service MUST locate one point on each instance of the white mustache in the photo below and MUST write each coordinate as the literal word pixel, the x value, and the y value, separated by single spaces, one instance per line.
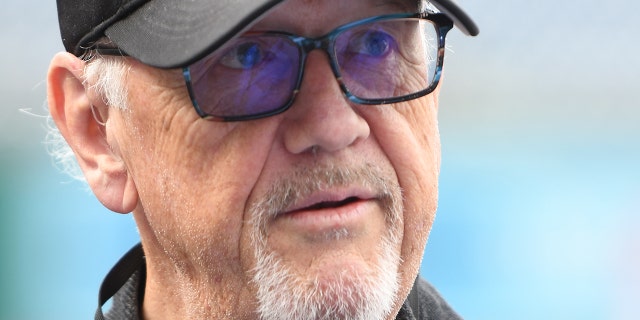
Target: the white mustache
pixel 303 181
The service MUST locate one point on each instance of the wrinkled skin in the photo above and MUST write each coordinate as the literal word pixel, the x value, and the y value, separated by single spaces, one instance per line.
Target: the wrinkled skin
pixel 190 183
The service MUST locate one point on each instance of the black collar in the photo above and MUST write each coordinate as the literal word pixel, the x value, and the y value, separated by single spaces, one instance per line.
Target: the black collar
pixel 134 262
pixel 131 262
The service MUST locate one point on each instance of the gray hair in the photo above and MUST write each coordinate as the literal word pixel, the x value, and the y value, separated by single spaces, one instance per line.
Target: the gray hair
pixel 105 77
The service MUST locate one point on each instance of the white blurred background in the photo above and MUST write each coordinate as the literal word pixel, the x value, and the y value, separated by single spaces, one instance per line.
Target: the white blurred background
pixel 540 188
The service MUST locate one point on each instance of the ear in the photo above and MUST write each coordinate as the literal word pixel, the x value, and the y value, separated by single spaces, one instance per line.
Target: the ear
pixel 70 105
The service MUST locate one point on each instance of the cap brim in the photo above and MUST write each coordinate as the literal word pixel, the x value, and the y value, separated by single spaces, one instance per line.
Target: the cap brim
pixel 170 34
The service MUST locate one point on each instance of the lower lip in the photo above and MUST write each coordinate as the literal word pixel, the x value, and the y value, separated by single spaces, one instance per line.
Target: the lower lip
pixel 321 220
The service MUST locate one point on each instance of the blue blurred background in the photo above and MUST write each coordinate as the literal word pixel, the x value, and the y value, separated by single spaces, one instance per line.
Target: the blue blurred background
pixel 540 186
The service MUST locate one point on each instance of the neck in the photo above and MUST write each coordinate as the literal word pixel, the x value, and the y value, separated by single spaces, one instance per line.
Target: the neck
pixel 181 297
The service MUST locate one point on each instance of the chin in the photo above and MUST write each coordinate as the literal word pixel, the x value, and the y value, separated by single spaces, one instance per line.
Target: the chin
pixel 334 290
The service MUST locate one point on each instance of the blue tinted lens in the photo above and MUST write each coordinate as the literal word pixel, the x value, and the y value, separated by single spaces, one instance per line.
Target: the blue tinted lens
pixel 378 60
pixel 388 58
pixel 250 76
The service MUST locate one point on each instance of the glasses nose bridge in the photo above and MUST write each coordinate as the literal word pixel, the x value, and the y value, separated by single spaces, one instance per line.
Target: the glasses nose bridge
pixel 323 43
pixel 310 44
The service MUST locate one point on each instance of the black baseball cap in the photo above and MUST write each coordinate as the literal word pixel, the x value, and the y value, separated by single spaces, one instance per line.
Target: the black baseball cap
pixel 176 33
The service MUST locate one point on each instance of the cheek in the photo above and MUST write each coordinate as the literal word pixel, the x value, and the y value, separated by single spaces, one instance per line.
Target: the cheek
pixel 193 177
pixel 408 135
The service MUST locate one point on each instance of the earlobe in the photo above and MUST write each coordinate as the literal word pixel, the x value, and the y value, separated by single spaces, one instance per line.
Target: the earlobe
pixel 71 107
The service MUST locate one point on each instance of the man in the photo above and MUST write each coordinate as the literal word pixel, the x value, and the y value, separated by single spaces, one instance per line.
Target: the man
pixel 280 158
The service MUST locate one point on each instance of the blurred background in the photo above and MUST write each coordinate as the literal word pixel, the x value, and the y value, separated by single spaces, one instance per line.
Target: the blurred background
pixel 540 186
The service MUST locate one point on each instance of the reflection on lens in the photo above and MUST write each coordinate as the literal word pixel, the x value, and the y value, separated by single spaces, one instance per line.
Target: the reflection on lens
pixel 394 58
pixel 254 75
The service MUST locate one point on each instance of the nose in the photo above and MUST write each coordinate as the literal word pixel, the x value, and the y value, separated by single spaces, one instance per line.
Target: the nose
pixel 321 118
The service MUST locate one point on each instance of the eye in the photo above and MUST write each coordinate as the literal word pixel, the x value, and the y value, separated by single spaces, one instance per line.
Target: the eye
pixel 245 55
pixel 373 43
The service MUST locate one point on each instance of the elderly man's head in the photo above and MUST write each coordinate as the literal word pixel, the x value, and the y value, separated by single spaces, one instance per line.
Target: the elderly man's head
pixel 311 192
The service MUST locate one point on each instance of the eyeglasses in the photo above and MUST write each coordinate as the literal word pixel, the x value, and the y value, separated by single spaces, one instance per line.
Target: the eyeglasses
pixel 378 60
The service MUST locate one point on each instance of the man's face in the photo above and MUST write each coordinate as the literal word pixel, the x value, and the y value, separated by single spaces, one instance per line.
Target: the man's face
pixel 329 203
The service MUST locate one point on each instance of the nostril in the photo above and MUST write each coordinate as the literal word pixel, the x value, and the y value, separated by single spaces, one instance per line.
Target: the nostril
pixel 314 150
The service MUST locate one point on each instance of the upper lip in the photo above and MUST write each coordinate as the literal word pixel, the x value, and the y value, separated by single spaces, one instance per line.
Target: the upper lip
pixel 330 198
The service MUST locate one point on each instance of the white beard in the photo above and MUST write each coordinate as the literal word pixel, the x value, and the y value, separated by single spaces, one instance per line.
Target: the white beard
pixel 351 294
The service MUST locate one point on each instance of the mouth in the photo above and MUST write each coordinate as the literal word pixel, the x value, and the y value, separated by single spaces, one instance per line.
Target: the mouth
pixel 324 212
pixel 327 205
